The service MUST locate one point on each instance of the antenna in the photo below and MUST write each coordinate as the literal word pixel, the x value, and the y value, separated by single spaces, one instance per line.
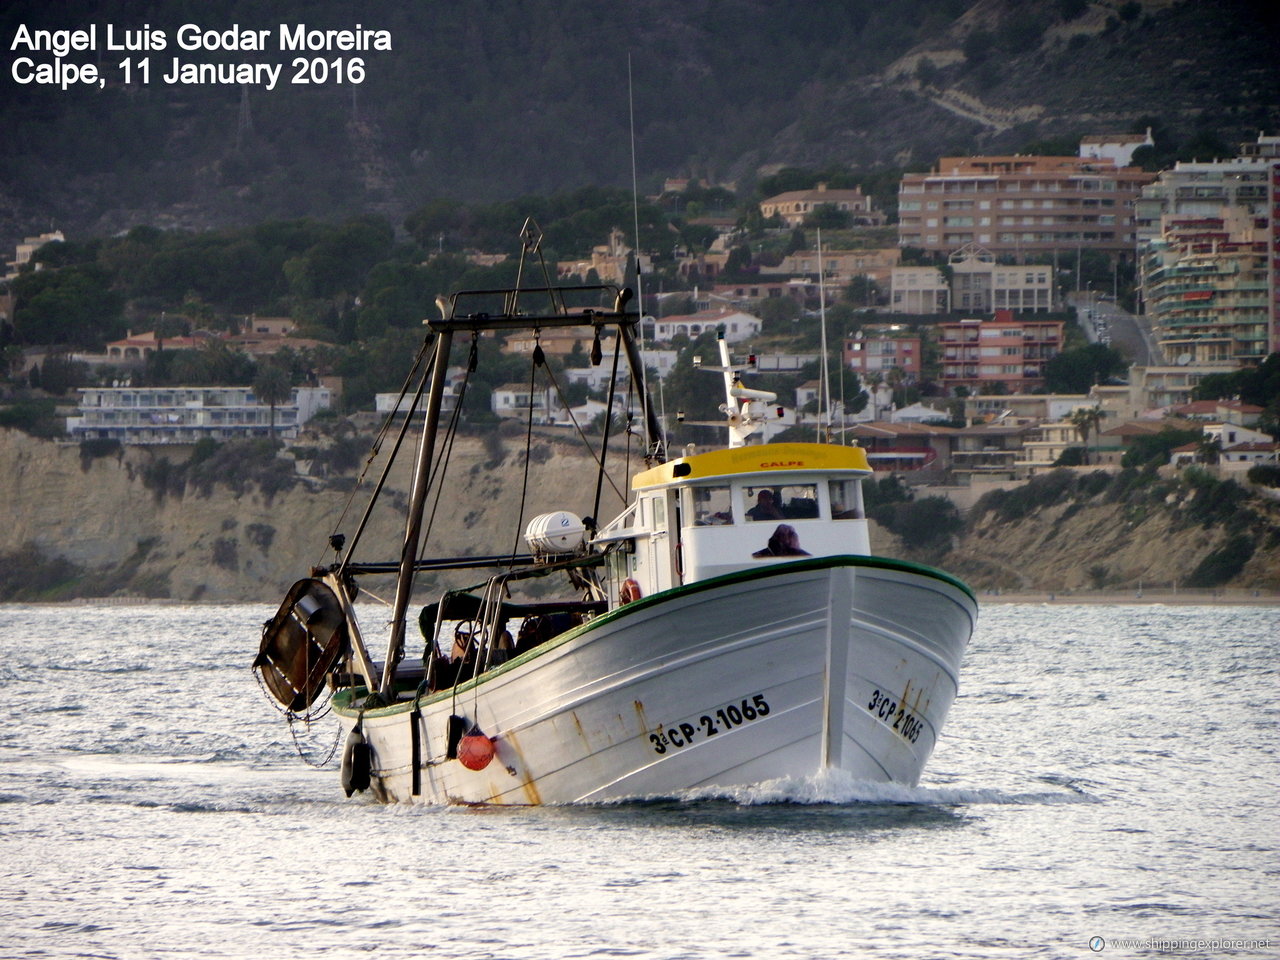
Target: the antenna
pixel 822 313
pixel 244 124
pixel 635 198
pixel 635 215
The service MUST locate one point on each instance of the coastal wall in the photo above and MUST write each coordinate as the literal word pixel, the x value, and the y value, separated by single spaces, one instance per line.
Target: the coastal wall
pixel 95 527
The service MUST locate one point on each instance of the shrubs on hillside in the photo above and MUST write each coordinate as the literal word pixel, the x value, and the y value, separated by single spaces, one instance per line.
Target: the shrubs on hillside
pixel 926 524
pixel 1197 498
pixel 236 464
pixel 1205 499
pixel 1265 474
pixel 36 417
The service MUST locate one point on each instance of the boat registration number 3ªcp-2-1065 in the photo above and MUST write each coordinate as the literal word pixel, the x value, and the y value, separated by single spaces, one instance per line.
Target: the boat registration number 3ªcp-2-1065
pixel 896 715
pixel 732 714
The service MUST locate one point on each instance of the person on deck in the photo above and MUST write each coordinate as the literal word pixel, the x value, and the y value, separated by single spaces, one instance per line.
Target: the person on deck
pixel 785 542
pixel 766 508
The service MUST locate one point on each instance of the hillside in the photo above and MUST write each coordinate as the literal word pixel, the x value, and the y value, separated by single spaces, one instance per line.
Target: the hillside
pixel 104 527
pixel 477 101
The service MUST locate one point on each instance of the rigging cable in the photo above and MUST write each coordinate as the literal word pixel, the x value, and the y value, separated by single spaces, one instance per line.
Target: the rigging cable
pixel 441 465
pixel 538 359
pixel 583 437
pixel 608 419
pixel 386 470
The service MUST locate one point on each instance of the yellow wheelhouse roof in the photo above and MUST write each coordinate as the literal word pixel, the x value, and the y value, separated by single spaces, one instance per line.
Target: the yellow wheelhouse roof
pixel 762 458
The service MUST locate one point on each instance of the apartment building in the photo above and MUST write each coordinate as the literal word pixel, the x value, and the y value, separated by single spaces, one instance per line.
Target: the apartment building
pixel 1043 445
pixel 1021 205
pixel 981 285
pixel 1161 387
pixel 989 450
pixel 841 266
pixel 879 349
pixel 1209 236
pixel 978 284
pixel 1206 285
pixel 184 415
pixel 1194 189
pixel 978 354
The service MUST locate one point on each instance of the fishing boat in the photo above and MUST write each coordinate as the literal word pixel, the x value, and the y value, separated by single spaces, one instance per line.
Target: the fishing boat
pixel 730 626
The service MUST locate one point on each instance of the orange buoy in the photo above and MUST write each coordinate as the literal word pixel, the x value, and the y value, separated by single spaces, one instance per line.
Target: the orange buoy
pixel 475 750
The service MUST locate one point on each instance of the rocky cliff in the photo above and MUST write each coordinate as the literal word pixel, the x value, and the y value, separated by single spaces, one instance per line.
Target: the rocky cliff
pixel 80 526
pixel 1119 533
pixel 103 526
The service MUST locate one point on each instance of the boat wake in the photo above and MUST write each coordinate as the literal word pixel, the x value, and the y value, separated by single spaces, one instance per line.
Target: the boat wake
pixel 836 787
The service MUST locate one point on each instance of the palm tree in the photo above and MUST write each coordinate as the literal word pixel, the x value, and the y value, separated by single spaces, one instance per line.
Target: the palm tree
pixel 895 378
pixel 272 385
pixel 1209 449
pixel 1087 420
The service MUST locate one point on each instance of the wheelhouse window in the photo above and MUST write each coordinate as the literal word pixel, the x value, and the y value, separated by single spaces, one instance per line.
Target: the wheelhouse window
pixel 709 506
pixel 846 500
pixel 790 501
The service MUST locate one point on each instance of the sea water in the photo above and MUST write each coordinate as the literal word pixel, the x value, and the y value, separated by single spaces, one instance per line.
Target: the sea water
pixel 1106 785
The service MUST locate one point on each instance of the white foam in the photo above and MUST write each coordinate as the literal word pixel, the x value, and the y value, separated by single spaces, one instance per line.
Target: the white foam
pixel 839 787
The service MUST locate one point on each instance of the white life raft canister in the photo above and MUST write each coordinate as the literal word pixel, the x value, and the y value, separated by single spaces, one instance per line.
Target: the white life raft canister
pixel 559 532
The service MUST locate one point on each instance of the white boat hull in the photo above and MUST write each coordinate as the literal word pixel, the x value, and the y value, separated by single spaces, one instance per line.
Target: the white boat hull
pixel 845 663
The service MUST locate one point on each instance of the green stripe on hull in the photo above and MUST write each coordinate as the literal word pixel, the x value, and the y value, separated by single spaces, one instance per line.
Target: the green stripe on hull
pixel 342 699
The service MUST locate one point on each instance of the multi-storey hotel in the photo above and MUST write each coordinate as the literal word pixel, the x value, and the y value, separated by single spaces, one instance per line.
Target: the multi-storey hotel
pixel 1021 206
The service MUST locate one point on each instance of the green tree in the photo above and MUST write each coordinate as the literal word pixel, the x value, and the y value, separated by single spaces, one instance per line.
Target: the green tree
pixel 828 216
pixel 1142 450
pixel 1208 449
pixel 59 374
pixel 1076 371
pixel 738 264
pixel 436 223
pixel 73 305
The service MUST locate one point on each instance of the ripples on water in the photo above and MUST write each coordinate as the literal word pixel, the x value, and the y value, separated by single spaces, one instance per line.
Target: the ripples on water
pixel 1106 772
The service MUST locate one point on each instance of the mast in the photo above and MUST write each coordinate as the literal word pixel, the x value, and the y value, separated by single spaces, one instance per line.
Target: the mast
pixel 413 526
pixel 655 440
pixel 511 319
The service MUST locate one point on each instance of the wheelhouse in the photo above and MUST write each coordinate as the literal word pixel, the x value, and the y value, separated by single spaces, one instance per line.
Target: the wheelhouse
pixel 708 514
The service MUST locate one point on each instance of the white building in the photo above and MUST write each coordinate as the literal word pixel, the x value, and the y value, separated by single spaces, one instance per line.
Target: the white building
pixel 385 403
pixel 184 415
pixel 657 362
pixel 981 284
pixel 736 325
pixel 1118 148
pixel 27 247
pixel 918 291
